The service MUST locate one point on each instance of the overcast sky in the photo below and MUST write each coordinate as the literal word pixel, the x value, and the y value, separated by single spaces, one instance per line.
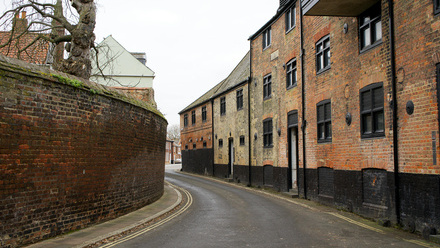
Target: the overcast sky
pixel 191 45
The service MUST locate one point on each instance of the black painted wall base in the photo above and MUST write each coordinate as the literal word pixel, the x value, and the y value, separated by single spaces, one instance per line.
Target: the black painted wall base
pixel 371 194
pixel 198 161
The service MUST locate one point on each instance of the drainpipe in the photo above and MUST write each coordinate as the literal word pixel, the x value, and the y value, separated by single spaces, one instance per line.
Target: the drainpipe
pixel 212 137
pixel 394 105
pixel 303 108
pixel 249 116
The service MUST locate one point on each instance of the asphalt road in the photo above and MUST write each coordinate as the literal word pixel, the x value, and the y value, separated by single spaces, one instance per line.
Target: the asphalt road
pixel 223 215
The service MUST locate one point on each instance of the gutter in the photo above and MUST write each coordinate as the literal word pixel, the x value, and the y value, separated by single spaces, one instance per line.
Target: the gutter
pixel 394 105
pixel 303 109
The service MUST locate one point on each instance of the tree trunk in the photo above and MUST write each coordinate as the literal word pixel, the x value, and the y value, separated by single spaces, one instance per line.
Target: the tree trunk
pixel 83 39
pixel 58 31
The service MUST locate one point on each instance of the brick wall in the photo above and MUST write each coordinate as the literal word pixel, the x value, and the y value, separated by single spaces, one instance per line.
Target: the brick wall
pixel 198 159
pixel 72 154
pixel 284 48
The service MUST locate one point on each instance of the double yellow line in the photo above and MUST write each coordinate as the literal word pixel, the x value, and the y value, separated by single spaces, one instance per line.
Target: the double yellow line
pixel 157 224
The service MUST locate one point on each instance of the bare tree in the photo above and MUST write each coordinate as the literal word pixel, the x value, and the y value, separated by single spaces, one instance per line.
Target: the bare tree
pixel 49 22
pixel 173 132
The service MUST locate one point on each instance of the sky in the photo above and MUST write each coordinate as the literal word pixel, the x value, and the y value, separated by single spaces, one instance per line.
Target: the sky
pixel 191 45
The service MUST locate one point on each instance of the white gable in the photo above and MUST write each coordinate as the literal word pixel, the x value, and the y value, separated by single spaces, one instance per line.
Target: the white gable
pixel 120 66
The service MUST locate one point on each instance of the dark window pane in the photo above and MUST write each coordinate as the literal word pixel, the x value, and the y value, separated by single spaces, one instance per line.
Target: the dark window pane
pixel 327 111
pixel 378 97
pixel 379 122
pixel 321 131
pixel 366 101
pixel 367 123
pixel 321 113
pixel 328 130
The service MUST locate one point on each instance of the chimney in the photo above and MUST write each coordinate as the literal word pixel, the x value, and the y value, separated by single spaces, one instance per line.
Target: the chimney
pixel 20 24
pixel 142 57
pixel 283 2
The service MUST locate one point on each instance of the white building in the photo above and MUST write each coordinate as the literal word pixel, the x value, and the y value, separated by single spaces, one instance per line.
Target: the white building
pixel 120 68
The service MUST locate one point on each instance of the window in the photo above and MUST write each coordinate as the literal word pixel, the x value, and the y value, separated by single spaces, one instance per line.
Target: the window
pixel 291 73
pixel 220 143
pixel 370 27
pixel 239 99
pixel 267 38
pixel 372 111
pixel 193 117
pixel 186 147
pixel 436 6
pixel 185 120
pixel 324 119
pixel 204 144
pixel 267 87
pixel 323 54
pixel 222 106
pixel 267 133
pixel 242 140
pixel 290 19
pixel 204 116
pixel 194 146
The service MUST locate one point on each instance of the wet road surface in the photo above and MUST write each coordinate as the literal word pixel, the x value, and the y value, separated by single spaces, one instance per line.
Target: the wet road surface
pixel 223 215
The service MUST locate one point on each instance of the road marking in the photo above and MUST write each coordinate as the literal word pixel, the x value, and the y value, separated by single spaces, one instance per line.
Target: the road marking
pixel 421 243
pixel 357 223
pixel 157 224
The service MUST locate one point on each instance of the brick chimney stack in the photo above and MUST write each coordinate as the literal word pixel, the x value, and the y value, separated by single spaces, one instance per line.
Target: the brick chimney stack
pixel 283 2
pixel 20 24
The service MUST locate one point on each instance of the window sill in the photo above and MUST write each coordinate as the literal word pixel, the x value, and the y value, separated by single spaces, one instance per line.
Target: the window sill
pixel 238 109
pixel 323 70
pixel 370 47
pixel 292 86
pixel 267 98
pixel 373 136
pixel 268 147
pixel 290 30
pixel 324 141
pixel 265 48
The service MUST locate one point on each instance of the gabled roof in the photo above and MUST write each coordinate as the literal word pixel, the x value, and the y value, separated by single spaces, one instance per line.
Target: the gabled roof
pixel 203 99
pixel 238 76
pixel 115 60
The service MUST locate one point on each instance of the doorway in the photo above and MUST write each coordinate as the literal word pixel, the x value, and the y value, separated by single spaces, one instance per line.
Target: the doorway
pixel 292 149
pixel 293 157
pixel 231 152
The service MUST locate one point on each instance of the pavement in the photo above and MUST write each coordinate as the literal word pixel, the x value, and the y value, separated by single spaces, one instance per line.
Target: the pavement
pixel 96 234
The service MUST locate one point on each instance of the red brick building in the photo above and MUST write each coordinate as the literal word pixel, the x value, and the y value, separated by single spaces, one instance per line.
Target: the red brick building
pixel 36 53
pixel 344 107
pixel 361 123
pixel 196 135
